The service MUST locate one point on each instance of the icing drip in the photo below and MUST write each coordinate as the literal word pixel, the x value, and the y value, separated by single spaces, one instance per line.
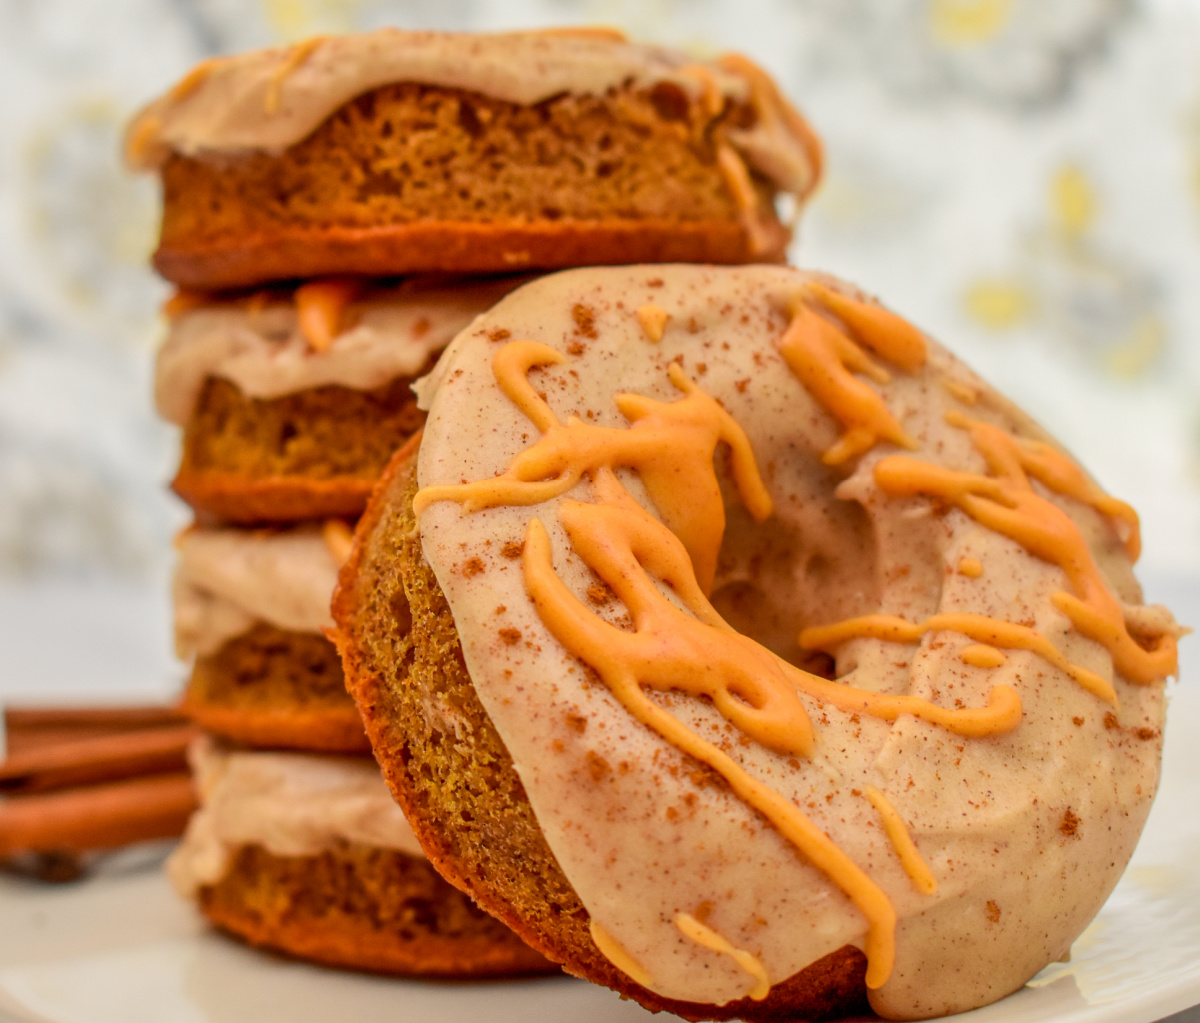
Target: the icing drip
pixel 612 950
pixel 914 866
pixel 339 538
pixel 653 320
pixel 970 567
pixel 737 180
pixel 297 55
pixel 823 357
pixel 321 309
pixel 183 300
pixel 980 655
pixel 704 935
pixel 981 628
pixel 1006 502
pixel 776 115
pixel 1053 469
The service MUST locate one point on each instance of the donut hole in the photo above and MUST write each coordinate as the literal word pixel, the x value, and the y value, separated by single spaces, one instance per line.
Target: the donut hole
pixel 806 565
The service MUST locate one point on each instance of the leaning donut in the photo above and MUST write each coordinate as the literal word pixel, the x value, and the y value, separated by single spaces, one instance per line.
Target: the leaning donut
pixel 742 650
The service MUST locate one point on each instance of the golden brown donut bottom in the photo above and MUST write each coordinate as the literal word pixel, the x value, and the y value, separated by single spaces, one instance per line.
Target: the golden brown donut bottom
pixel 363 908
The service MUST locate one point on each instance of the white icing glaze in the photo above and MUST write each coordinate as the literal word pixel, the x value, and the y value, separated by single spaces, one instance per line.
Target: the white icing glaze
pixel 388 334
pixel 291 804
pixel 642 842
pixel 259 102
pixel 226 580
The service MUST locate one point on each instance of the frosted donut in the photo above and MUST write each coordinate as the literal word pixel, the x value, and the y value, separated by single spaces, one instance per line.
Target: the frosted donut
pixel 291 400
pixel 750 653
pixel 396 152
pixel 309 856
pixel 250 610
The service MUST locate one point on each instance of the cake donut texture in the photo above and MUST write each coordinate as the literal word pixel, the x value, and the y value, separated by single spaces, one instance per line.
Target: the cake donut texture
pixel 308 855
pixel 251 607
pixel 292 400
pixel 410 152
pixel 742 650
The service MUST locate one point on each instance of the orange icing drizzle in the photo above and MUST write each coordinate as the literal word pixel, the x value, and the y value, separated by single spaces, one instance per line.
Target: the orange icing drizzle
pixel 339 538
pixel 182 301
pixel 296 56
pixel 773 107
pixel 321 309
pixel 190 82
pixel 737 179
pixel 671 446
pixel 773 111
pixel 653 321
pixel 615 953
pixel 704 935
pixel 981 628
pixel 710 89
pixel 965 393
pixel 893 826
pixel 1006 502
pixel 145 129
pixel 981 655
pixel 970 567
pixel 824 358
pixel 141 137
pixel 681 485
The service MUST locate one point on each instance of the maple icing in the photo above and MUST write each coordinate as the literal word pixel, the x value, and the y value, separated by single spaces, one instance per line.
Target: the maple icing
pixel 227 580
pixel 291 804
pixel 268 100
pixel 338 331
pixel 743 472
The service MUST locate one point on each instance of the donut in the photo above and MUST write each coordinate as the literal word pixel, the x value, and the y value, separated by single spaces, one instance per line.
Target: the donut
pixel 401 152
pixel 742 650
pixel 309 856
pixel 292 399
pixel 250 609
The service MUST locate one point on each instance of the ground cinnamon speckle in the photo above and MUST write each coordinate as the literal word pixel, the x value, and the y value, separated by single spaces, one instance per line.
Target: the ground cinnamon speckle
pixel 585 320
pixel 598 593
pixel 598 767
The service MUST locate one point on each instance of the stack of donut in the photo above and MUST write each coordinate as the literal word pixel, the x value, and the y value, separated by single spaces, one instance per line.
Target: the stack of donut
pixel 334 213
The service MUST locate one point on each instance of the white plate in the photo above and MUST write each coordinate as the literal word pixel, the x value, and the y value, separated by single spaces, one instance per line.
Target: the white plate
pixel 120 948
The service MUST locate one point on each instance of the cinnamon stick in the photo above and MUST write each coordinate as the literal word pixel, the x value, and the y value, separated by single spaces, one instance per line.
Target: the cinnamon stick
pixel 18 719
pixel 92 759
pixel 97 816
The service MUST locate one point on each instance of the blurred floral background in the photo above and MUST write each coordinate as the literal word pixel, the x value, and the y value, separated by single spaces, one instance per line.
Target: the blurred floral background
pixel 1021 178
